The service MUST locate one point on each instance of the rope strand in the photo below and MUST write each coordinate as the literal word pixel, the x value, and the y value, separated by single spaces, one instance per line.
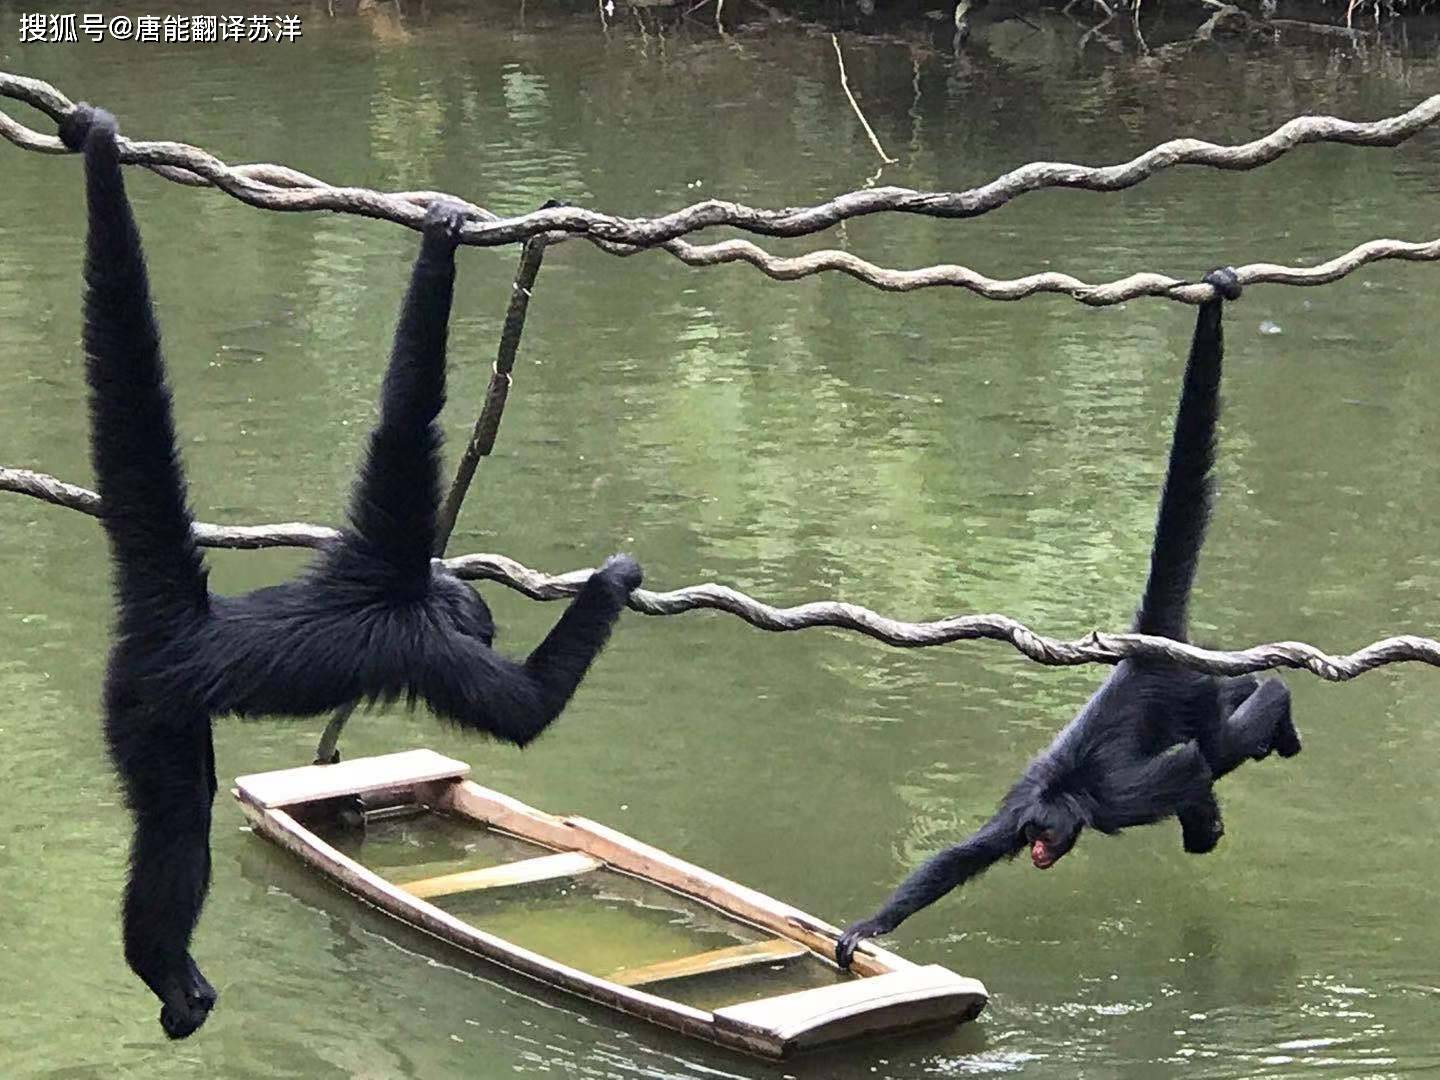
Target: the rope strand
pixel 1094 648
pixel 276 187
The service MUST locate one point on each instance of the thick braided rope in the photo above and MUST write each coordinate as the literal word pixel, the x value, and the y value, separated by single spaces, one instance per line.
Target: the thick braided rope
pixel 1094 648
pixel 277 187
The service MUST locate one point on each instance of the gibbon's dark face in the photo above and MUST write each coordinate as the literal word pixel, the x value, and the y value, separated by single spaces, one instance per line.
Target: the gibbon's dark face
pixel 468 613
pixel 1051 834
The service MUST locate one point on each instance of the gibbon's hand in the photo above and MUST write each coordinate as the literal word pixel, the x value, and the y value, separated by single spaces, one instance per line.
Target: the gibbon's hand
pixel 854 934
pixel 444 221
pixel 623 572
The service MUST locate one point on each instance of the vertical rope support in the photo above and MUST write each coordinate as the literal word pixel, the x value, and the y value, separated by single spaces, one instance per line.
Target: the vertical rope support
pixel 327 752
pixel 482 441
pixel 487 425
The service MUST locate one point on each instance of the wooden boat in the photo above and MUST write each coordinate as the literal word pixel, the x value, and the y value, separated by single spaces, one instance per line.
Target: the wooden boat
pixel 771 946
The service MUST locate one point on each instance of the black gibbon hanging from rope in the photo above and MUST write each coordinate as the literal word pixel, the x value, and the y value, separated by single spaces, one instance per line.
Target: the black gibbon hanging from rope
pixel 372 619
pixel 1155 737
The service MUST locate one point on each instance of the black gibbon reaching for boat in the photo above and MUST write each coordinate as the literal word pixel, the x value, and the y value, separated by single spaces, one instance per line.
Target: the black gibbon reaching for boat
pixel 1155 737
pixel 372 619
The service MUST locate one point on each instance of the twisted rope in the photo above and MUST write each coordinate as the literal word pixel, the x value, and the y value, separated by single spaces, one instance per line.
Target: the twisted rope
pixel 1094 648
pixel 1102 294
pixel 276 187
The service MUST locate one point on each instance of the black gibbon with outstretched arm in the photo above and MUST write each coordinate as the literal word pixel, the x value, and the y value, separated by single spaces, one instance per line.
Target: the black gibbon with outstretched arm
pixel 372 619
pixel 1155 737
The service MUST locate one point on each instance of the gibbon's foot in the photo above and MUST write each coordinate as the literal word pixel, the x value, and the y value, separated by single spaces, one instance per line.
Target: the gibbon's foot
pixel 853 935
pixel 1201 838
pixel 1264 720
pixel 1224 280
pixel 83 119
pixel 203 984
pixel 186 1004
pixel 623 572
pixel 1286 739
pixel 444 221
pixel 350 815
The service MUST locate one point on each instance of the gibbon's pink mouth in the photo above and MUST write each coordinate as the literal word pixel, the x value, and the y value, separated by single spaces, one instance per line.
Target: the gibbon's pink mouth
pixel 1040 856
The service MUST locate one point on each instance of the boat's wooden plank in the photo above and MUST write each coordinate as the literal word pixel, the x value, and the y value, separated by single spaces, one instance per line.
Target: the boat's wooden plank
pixel 625 853
pixel 752 954
pixel 510 814
pixel 362 776
pixel 918 997
pixel 784 920
pixel 523 872
pixel 352 876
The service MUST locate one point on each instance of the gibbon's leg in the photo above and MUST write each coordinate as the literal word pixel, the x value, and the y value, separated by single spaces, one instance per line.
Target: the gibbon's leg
pixel 166 767
pixel 1262 723
pixel 1201 825
pixel 1234 692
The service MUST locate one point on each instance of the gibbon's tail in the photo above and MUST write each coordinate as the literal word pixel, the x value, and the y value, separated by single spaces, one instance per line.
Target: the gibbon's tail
pixel 1186 497
pixel 158 568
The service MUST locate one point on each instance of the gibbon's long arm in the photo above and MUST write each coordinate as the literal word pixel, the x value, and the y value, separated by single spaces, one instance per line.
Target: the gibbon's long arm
pixel 1186 498
pixel 393 507
pixel 999 838
pixel 473 686
pixel 159 573
pixel 306 646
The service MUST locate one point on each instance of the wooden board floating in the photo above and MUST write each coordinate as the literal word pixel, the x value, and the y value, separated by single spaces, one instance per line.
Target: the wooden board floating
pixel 884 994
pixel 773 951
pixel 524 872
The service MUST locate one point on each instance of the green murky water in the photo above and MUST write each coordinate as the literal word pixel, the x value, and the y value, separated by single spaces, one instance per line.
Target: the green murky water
pixel 923 454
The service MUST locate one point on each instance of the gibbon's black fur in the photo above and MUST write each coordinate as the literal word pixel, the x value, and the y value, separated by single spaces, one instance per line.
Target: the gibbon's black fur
pixel 1155 737
pixel 373 618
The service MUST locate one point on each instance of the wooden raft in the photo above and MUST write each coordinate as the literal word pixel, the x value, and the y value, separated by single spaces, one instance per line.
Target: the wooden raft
pixel 886 994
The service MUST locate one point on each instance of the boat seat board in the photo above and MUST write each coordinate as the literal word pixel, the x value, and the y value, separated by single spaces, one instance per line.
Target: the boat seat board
pixel 916 997
pixel 362 776
pixel 752 954
pixel 523 872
